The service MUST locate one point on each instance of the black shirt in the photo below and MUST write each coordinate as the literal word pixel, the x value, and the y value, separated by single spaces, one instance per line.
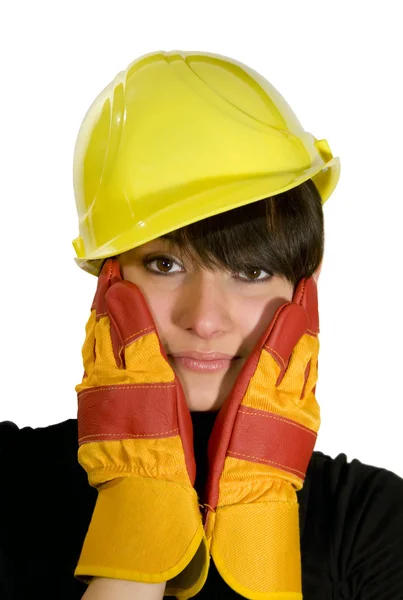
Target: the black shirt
pixel 351 520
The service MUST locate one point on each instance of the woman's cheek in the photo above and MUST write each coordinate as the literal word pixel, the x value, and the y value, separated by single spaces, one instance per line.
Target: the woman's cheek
pixel 160 308
pixel 255 317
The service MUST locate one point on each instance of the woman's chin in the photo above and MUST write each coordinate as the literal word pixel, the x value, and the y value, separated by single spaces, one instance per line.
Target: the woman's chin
pixel 203 398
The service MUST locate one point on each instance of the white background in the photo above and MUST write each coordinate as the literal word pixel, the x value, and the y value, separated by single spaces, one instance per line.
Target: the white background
pixel 338 65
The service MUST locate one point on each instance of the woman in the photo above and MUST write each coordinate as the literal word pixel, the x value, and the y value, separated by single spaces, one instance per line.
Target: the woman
pixel 200 204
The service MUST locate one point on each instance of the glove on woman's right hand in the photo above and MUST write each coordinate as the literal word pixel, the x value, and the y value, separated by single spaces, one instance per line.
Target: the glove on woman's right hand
pixel 136 444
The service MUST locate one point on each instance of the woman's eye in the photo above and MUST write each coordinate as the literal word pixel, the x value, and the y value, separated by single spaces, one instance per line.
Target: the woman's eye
pixel 163 265
pixel 255 272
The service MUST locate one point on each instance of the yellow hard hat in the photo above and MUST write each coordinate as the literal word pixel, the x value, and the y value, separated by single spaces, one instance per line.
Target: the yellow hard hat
pixel 178 137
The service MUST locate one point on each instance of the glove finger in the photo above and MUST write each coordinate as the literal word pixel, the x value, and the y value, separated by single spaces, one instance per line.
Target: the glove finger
pixel 302 370
pixel 132 325
pixel 97 349
pixel 110 274
pixel 290 323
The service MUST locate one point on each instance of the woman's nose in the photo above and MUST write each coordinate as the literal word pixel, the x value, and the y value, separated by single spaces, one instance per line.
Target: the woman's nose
pixel 204 306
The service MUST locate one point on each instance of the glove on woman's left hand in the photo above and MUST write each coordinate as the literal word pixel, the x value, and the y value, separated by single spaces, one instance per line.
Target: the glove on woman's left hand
pixel 259 451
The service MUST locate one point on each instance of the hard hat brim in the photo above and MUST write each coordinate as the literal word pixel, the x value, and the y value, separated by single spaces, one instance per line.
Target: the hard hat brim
pixel 210 202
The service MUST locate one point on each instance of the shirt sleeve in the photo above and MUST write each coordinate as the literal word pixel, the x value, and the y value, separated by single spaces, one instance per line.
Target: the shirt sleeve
pixel 374 539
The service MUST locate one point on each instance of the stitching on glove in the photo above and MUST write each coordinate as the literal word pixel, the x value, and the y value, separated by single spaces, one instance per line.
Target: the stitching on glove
pixel 104 314
pixel 137 333
pixel 276 353
pixel 259 459
pixel 278 418
pixel 130 435
pixel 125 387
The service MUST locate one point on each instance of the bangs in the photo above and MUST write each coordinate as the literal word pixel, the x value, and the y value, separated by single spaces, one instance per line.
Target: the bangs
pixel 282 234
pixel 228 241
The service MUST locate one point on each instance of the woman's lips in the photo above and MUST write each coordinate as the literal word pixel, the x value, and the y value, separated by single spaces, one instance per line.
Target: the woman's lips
pixel 203 365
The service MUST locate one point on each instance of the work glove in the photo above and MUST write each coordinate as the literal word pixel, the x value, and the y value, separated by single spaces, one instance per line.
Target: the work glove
pixel 135 439
pixel 258 453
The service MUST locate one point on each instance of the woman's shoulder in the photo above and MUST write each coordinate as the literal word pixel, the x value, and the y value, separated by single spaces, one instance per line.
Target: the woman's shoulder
pixel 356 512
pixel 45 510
pixel 339 474
pixel 355 490
pixel 62 435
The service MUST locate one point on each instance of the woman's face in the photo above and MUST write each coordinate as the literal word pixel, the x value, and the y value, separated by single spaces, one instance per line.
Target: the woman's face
pixel 196 310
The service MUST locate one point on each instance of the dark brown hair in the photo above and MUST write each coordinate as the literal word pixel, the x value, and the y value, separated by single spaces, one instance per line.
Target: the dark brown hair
pixel 282 234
